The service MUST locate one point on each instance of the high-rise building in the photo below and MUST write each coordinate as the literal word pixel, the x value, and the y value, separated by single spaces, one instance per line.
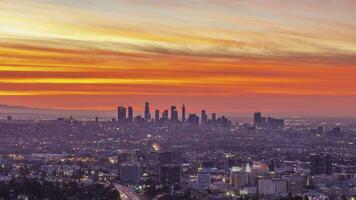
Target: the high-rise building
pixel 320 164
pixel 165 116
pixel 121 114
pixel 193 119
pixel 170 174
pixel 275 123
pixel 157 116
pixel 147 112
pixel 139 120
pixel 204 117
pixel 213 117
pixel 257 119
pixel 174 114
pixel 183 113
pixel 130 114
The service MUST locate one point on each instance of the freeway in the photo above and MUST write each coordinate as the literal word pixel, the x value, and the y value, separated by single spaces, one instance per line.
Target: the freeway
pixel 127 193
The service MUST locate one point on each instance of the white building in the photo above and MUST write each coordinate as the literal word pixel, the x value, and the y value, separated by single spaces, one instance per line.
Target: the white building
pixel 272 186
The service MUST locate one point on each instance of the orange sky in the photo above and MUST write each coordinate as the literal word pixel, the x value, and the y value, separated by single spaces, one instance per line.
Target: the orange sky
pixel 290 57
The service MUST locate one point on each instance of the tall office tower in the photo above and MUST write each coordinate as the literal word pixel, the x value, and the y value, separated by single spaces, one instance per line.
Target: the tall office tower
pixel 257 119
pixel 183 113
pixel 130 114
pixel 174 114
pixel 170 175
pixel 320 164
pixel 213 117
pixel 156 116
pixel 165 116
pixel 121 114
pixel 147 112
pixel 204 117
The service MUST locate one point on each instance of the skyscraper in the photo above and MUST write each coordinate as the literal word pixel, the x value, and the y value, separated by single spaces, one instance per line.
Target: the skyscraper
pixel 147 112
pixel 193 119
pixel 174 114
pixel 204 117
pixel 257 119
pixel 165 116
pixel 183 113
pixel 121 114
pixel 170 175
pixel 130 114
pixel 156 116
pixel 213 117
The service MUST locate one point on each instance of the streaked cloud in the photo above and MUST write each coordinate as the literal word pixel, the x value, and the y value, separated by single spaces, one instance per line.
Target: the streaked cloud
pixel 179 49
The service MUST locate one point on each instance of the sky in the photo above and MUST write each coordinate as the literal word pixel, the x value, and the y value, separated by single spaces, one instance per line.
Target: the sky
pixel 227 56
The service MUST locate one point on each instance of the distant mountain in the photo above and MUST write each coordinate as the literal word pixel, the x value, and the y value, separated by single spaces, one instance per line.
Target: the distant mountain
pixel 36 113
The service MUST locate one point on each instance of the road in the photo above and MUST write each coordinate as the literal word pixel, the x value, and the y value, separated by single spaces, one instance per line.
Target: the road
pixel 127 193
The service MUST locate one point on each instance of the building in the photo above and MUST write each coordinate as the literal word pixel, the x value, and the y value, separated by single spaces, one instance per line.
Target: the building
pixel 272 186
pixel 320 164
pixel 230 162
pixel 275 123
pixel 213 117
pixel 157 116
pixel 170 175
pixel 204 117
pixel 130 173
pixel 240 178
pixel 130 114
pixel 170 157
pixel 193 119
pixel 165 116
pixel 257 119
pixel 147 115
pixel 121 114
pixel 183 113
pixel 296 184
pixel 174 114
pixel 203 180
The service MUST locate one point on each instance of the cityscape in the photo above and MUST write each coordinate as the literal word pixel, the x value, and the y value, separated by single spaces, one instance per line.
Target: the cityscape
pixel 177 100
pixel 176 155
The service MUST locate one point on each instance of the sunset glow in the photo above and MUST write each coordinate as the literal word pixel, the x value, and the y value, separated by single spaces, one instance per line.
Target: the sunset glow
pixel 294 57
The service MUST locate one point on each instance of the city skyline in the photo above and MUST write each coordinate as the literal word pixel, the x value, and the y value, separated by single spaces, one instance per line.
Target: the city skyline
pixel 178 99
pixel 284 57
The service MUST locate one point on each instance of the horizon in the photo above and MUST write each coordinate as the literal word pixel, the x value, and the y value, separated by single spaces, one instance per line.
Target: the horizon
pixel 296 58
pixel 24 111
